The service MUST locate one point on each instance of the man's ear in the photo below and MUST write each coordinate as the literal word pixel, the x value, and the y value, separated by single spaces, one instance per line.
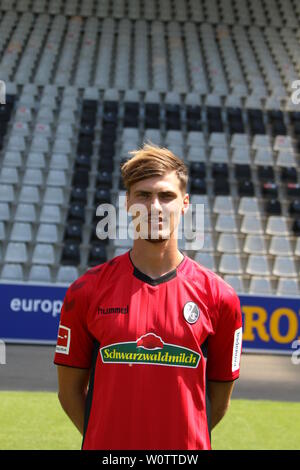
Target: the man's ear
pixel 186 203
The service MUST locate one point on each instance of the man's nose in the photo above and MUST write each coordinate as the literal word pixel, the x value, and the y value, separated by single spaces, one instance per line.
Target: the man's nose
pixel 155 204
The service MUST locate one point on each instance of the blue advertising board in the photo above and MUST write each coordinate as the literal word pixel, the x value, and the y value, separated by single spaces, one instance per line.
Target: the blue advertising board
pixel 30 314
pixel 270 323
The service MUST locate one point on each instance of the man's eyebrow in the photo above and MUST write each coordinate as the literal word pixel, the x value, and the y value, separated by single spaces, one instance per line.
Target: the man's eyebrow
pixel 143 191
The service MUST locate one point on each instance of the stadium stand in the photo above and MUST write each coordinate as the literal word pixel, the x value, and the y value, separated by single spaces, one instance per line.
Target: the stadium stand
pixel 87 82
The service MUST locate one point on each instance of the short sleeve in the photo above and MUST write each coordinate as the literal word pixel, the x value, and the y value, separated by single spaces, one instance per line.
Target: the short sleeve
pixel 74 344
pixel 225 345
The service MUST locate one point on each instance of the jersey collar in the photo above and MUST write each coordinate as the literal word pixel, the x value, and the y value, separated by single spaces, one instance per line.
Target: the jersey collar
pixel 159 280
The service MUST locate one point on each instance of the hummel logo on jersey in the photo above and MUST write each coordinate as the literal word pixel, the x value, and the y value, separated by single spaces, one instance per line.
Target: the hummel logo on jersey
pixel 108 310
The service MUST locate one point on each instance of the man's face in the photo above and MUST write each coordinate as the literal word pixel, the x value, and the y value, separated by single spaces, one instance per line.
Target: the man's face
pixel 156 205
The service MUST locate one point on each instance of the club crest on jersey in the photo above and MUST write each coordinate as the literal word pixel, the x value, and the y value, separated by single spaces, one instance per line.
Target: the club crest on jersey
pixel 191 312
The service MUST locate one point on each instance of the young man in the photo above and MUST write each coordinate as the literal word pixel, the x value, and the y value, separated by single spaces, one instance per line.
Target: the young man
pixel 149 343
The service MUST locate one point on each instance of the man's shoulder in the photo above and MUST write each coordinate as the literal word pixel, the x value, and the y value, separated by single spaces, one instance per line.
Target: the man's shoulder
pixel 198 273
pixel 92 276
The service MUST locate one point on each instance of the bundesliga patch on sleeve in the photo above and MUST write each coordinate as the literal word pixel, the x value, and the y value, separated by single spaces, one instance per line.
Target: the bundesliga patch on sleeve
pixel 63 340
pixel 237 347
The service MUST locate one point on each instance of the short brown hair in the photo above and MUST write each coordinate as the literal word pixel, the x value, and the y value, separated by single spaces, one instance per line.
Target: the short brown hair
pixel 152 160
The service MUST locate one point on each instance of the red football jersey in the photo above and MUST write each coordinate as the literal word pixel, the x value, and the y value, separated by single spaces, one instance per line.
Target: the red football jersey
pixel 151 345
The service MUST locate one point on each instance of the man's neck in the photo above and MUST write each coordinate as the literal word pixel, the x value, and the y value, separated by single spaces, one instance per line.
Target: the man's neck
pixel 155 259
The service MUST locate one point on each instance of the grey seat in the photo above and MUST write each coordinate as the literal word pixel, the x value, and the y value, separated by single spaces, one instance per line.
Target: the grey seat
pixel 35 160
pixel 59 161
pixel 39 273
pixel 29 194
pixel 255 244
pixel 4 211
pixel 25 213
pixel 280 246
pixel 40 144
pixel 197 154
pixel 21 232
pixel 237 282
pixel 9 175
pixel 249 205
pixel 12 272
pixel 47 233
pixel 241 155
pixel 226 223
pixel 284 266
pixel 219 155
pixel 195 139
pixel 230 264
pixel 205 243
pixel 239 140
pixel 217 139
pixel 67 274
pixel 258 265
pixel 56 178
pixel 228 243
pixel 277 225
pixel 223 205
pixel 7 193
pixel 16 253
pixel 43 254
pixel 50 214
pixel 263 157
pixel 206 259
pixel 12 158
pixel 288 286
pixel 33 177
pixel 252 224
pixel 260 285
pixel 54 195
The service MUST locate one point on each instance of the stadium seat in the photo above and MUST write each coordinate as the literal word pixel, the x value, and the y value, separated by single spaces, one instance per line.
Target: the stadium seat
pixel 70 254
pixel 258 265
pixel 53 195
pixel 284 266
pixel 277 226
pixel 255 244
pixel 223 205
pixel 288 286
pixel 21 232
pixel 252 224
pixel 237 282
pixel 248 205
pixel 231 264
pixel 16 253
pixel 280 246
pixel 228 243
pixel 43 254
pixel 260 285
pixel 12 272
pixel 206 259
pixel 67 274
pixel 40 274
pixel 97 254
pixel 47 233
pixel 226 223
